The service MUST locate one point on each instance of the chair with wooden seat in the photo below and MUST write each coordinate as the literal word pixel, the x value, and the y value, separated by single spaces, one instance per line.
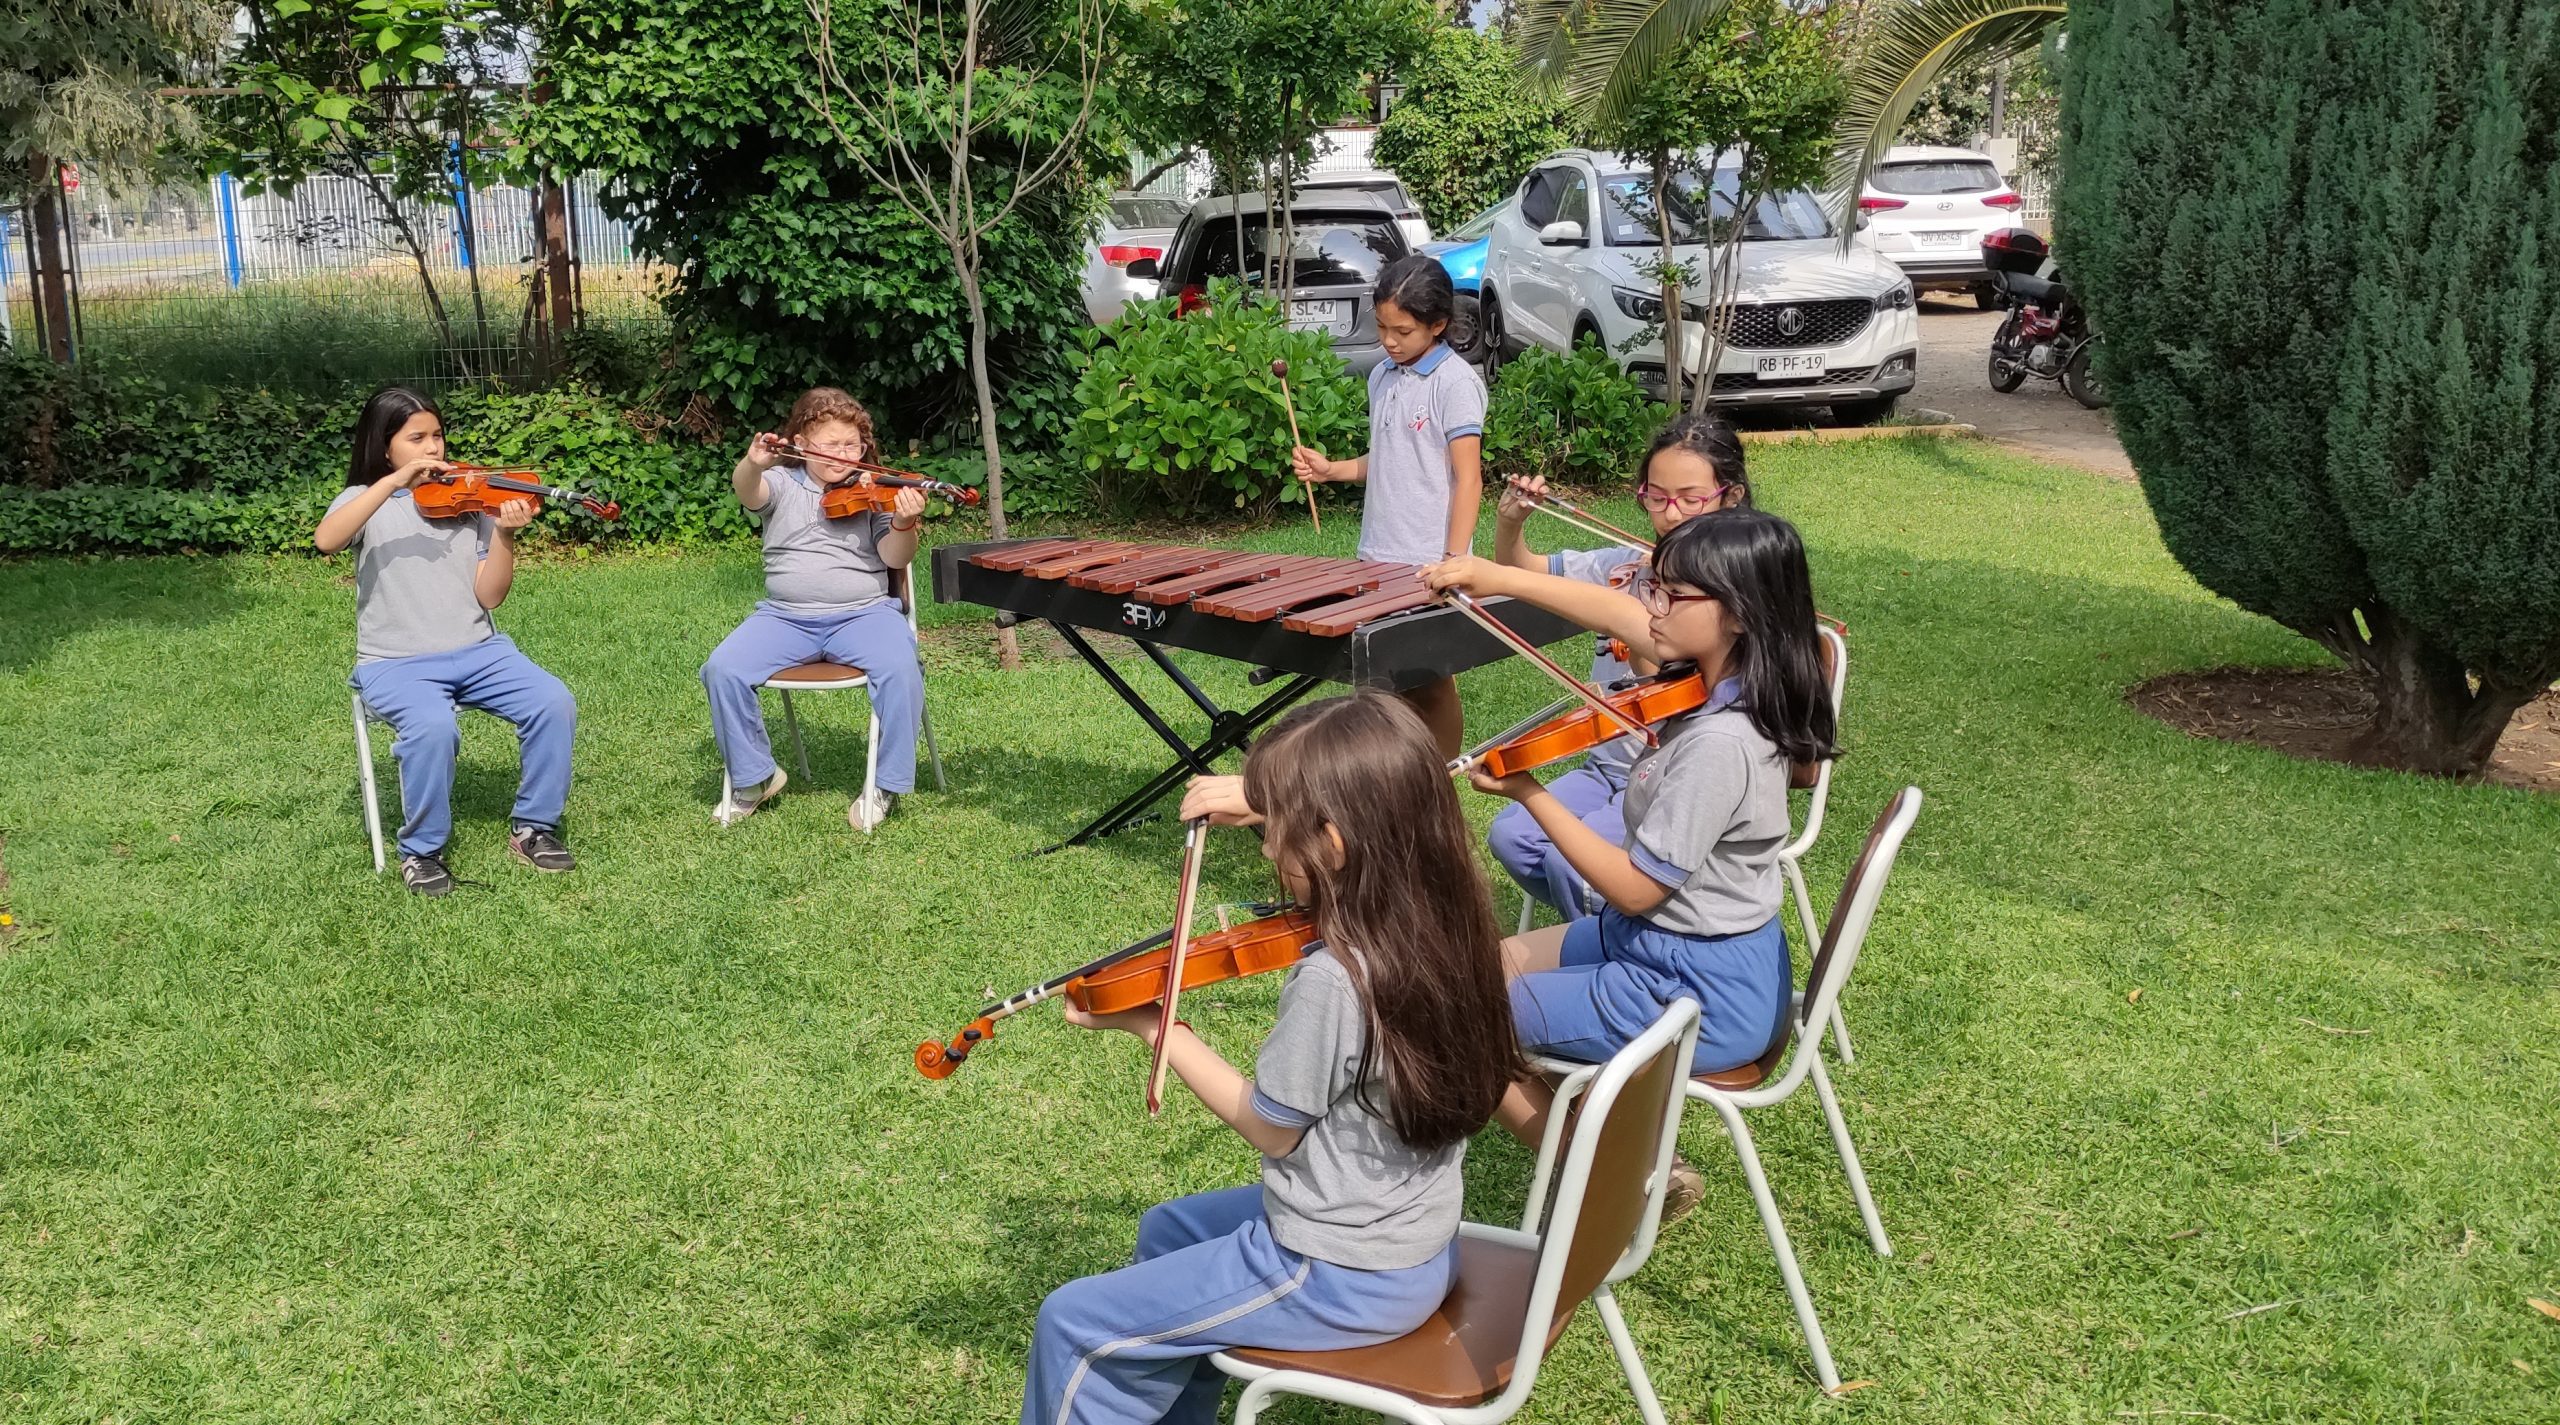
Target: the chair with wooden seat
pixel 1777 1074
pixel 1475 1360
pixel 821 676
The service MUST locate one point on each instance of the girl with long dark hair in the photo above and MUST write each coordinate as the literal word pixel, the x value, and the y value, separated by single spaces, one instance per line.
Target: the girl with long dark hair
pixel 1391 1048
pixel 425 647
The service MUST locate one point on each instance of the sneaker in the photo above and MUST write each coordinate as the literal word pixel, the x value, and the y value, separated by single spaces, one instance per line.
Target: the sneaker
pixel 540 848
pixel 1687 1186
pixel 870 809
pixel 426 874
pixel 743 802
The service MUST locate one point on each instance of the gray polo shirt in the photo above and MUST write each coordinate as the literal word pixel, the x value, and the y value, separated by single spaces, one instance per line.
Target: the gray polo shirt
pixel 1414 412
pixel 1351 1193
pixel 1706 813
pixel 416 579
pixel 1616 567
pixel 815 566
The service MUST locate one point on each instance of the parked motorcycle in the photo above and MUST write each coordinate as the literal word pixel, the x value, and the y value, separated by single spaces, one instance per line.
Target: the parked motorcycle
pixel 2047 333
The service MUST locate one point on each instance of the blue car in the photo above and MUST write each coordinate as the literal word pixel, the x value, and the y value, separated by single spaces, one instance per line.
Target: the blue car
pixel 1462 252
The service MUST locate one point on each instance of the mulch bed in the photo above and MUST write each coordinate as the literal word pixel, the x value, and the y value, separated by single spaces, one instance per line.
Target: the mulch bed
pixel 2318 712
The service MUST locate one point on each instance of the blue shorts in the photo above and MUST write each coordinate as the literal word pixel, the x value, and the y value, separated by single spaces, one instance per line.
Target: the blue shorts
pixel 1618 974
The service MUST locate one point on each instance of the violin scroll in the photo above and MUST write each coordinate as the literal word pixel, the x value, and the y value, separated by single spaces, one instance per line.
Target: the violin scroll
pixel 936 1060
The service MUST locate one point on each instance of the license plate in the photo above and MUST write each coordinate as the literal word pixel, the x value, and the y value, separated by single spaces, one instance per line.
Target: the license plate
pixel 1783 366
pixel 1945 239
pixel 1308 314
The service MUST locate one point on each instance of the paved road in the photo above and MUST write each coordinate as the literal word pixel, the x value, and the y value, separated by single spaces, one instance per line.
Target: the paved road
pixel 2037 417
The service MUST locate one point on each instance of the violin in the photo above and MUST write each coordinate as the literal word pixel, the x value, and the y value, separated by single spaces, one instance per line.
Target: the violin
pixel 877 491
pixel 481 489
pixel 1563 729
pixel 1133 977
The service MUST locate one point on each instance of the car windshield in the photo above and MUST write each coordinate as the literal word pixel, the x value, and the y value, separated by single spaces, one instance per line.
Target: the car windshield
pixel 1478 225
pixel 1790 216
pixel 1330 252
pixel 1935 177
pixel 1147 212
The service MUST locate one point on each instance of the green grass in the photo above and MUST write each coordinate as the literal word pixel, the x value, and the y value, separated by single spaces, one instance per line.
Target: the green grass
pixel 278 1142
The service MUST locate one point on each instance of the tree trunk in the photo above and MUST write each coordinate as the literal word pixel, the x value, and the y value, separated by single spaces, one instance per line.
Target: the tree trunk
pixel 52 279
pixel 1672 363
pixel 1008 647
pixel 2426 715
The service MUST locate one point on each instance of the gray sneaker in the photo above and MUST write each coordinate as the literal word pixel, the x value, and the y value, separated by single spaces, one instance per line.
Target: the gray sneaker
pixel 540 848
pixel 870 809
pixel 743 801
pixel 426 874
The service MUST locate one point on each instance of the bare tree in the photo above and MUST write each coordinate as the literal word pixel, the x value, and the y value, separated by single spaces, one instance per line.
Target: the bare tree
pixel 921 124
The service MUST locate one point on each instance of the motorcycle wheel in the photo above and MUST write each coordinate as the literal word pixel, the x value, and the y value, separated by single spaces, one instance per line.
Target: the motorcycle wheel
pixel 2081 382
pixel 2007 373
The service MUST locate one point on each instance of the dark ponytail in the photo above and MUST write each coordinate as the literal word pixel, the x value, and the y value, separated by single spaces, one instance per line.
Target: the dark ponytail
pixel 381 419
pixel 1418 284
pixel 1753 563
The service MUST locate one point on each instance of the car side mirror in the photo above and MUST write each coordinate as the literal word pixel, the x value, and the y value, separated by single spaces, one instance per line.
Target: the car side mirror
pixel 1564 232
pixel 1143 269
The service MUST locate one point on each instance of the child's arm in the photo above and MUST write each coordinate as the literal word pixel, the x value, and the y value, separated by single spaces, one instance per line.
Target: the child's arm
pixel 1311 464
pixel 898 546
pixel 1605 611
pixel 1602 862
pixel 1221 800
pixel 497 573
pixel 339 527
pixel 747 479
pixel 1466 493
pixel 1511 526
pixel 1219 1084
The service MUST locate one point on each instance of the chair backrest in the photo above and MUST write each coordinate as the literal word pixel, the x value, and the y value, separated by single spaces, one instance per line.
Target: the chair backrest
pixel 1609 1196
pixel 902 587
pixel 1855 911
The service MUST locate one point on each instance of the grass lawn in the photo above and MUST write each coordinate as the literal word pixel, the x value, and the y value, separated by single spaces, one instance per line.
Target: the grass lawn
pixel 2151 1032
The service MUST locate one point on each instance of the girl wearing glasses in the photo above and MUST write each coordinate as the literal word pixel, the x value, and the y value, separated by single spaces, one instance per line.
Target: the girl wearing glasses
pixel 1694 466
pixel 1691 889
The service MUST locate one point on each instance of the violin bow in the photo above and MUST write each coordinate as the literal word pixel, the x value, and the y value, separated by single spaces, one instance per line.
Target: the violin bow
pixel 1575 515
pixel 1581 691
pixel 881 474
pixel 1466 761
pixel 1195 846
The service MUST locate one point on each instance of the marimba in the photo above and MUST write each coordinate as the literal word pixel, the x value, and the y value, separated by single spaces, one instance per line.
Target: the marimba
pixel 1308 618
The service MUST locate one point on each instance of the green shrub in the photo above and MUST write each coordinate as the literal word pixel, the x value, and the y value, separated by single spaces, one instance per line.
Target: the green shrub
pixel 1572 418
pixel 1179 414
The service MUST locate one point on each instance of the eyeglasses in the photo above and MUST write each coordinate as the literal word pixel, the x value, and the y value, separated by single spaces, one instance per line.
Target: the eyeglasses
pixel 1659 601
pixel 1653 499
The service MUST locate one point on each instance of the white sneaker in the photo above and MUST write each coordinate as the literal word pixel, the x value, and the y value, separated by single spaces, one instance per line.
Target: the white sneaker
pixel 741 805
pixel 870 809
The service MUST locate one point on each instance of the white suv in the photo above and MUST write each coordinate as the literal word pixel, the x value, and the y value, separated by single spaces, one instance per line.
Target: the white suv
pixel 1928 209
pixel 1812 326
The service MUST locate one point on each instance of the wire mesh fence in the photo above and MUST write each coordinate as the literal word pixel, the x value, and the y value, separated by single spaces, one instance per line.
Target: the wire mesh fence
pixel 335 285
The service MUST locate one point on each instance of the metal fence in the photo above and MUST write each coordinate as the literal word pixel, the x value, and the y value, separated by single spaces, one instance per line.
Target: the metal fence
pixel 324 288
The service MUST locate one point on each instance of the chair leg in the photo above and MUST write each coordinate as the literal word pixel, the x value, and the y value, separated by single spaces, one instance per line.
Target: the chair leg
pixel 1840 1034
pixel 1647 1405
pixel 871 754
pixel 1849 1159
pixel 1528 912
pixel 365 782
pixel 799 749
pixel 933 749
pixel 1776 1228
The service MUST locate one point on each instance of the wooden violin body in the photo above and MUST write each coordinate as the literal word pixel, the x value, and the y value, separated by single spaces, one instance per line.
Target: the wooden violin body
pixel 1133 977
pixel 1555 735
pixel 481 489
pixel 877 491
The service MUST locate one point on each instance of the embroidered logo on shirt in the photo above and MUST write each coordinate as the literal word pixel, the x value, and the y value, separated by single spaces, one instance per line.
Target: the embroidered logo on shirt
pixel 1421 419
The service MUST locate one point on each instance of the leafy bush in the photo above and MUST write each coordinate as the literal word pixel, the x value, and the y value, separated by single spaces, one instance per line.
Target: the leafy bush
pixel 1574 418
pixel 1177 414
pixel 1466 129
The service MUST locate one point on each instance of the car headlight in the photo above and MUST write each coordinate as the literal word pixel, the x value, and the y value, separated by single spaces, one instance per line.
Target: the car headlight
pixel 1896 298
pixel 1643 306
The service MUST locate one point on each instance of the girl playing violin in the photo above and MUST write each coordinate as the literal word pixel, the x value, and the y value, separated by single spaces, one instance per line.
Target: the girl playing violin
pixel 827 589
pixel 1391 1048
pixel 425 646
pixel 1691 889
pixel 1694 467
pixel 1425 464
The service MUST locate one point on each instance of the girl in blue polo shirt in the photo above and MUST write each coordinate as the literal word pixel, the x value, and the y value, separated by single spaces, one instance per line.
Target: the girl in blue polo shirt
pixel 1425 463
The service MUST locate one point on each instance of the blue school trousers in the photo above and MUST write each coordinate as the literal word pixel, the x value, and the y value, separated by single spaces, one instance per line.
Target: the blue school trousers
pixel 874 638
pixel 1618 974
pixel 1130 1347
pixel 1523 848
pixel 419 695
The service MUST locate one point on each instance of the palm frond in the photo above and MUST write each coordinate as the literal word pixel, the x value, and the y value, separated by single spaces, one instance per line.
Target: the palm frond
pixel 1909 44
pixel 1600 50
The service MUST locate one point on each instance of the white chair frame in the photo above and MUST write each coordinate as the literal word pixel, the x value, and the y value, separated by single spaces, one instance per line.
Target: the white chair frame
pixel 1676 1031
pixel 1791 855
pixel 1850 920
pixel 903 588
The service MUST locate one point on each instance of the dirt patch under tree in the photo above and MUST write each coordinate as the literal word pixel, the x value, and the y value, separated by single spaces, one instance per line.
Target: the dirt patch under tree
pixel 2318 713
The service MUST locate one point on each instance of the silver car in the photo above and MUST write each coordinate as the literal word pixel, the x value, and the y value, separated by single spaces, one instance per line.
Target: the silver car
pixel 1340 240
pixel 1136 226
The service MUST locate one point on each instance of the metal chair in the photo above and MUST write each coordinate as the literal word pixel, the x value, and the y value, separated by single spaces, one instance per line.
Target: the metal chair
pixel 823 677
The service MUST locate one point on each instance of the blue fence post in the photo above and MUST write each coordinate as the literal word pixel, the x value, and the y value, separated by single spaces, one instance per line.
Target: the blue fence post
pixel 462 204
pixel 226 210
